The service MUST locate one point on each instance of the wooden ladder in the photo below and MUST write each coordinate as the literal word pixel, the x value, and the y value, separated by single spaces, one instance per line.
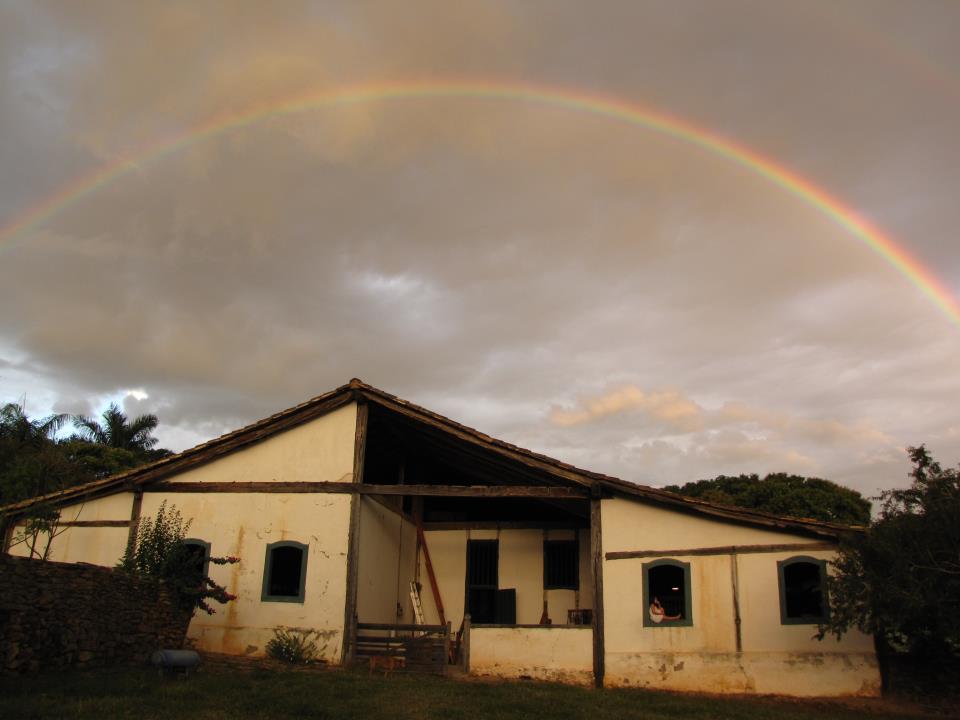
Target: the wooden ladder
pixel 416 602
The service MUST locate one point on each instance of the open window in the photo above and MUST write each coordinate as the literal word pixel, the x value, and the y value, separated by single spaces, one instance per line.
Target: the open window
pixel 198 558
pixel 483 565
pixel 803 591
pixel 561 565
pixel 666 594
pixel 285 572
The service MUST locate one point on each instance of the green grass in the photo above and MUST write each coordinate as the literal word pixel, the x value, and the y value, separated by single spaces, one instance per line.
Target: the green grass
pixel 140 694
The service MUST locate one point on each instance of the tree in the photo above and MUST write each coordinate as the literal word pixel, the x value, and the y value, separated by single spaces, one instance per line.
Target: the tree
pixel 30 463
pixel 117 431
pixel 783 494
pixel 33 461
pixel 20 430
pixel 900 580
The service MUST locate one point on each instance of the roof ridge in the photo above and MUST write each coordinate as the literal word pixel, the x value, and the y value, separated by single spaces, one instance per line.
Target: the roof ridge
pixel 359 388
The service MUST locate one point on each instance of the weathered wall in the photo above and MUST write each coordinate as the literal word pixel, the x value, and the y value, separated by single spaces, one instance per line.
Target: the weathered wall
pixel 775 658
pixel 243 524
pixel 544 653
pixel 386 565
pixel 60 614
pixel 521 567
pixel 98 545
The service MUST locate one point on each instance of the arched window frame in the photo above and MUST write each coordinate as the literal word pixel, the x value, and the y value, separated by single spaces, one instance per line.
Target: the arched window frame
pixel 206 552
pixel 687 595
pixel 268 566
pixel 782 565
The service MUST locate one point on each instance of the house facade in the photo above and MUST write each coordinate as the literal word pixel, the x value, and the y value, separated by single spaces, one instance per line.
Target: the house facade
pixel 359 515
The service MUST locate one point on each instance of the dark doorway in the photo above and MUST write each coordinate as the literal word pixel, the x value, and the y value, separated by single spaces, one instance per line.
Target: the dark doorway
pixel 483 566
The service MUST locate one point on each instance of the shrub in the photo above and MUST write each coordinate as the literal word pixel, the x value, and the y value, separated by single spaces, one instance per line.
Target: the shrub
pixel 292 645
pixel 160 554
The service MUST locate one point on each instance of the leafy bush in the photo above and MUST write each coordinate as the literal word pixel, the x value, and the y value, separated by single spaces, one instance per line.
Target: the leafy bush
pixel 900 580
pixel 292 645
pixel 160 554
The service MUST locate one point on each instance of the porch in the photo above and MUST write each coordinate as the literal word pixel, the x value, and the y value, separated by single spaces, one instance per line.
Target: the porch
pixel 493 559
pixel 541 652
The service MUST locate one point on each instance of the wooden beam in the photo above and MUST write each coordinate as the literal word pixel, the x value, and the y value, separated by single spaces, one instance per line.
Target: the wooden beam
pixel 134 522
pixel 353 537
pixel 408 627
pixel 95 523
pixel 525 491
pixel 500 525
pixel 596 566
pixel 528 491
pixel 721 550
pixel 437 601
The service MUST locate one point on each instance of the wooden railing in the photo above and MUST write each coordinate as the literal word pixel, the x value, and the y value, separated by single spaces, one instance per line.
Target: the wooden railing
pixel 420 648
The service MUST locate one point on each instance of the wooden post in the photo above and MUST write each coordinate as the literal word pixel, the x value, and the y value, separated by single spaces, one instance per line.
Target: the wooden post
pixel 735 580
pixel 465 647
pixel 446 647
pixel 596 566
pixel 353 539
pixel 134 521
pixel 7 525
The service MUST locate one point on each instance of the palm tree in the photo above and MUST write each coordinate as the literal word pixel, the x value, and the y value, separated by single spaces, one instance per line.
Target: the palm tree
pixel 117 431
pixel 21 430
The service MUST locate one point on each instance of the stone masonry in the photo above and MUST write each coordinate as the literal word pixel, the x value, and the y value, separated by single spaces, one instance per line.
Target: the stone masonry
pixel 55 615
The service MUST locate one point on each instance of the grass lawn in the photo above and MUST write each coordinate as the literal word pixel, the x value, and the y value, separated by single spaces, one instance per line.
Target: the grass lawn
pixel 272 693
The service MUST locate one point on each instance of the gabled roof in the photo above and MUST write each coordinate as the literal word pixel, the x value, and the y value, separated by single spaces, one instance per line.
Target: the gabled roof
pixel 358 391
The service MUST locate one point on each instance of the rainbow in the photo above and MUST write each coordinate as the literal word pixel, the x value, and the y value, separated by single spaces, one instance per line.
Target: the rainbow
pixel 847 218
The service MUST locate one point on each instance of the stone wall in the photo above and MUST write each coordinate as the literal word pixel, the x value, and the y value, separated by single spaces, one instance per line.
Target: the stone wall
pixel 56 615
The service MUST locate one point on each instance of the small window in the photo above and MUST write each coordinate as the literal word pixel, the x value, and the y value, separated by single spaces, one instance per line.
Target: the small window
pixel 803 597
pixel 666 594
pixel 285 572
pixel 198 557
pixel 561 565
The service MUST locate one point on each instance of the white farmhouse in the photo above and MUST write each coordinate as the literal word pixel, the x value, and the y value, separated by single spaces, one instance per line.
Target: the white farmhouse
pixel 358 515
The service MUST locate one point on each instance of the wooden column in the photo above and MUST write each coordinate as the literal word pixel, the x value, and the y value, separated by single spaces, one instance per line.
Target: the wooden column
pixel 353 538
pixel 465 647
pixel 596 567
pixel 7 525
pixel 446 646
pixel 134 521
pixel 735 581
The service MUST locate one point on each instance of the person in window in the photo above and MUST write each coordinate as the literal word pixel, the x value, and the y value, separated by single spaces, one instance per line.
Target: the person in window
pixel 658 614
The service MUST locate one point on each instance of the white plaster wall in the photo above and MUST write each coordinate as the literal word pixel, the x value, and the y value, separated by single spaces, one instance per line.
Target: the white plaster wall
pixel 776 658
pixel 762 631
pixel 550 653
pixel 99 546
pixel 521 568
pixel 317 451
pixel 632 525
pixel 448 553
pixel 243 524
pixel 387 563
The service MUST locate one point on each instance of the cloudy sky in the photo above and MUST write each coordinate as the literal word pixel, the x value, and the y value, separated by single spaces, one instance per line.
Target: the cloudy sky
pixel 581 284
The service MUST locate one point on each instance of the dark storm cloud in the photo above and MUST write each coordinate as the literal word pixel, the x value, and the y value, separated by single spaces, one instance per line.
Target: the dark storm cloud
pixel 511 264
